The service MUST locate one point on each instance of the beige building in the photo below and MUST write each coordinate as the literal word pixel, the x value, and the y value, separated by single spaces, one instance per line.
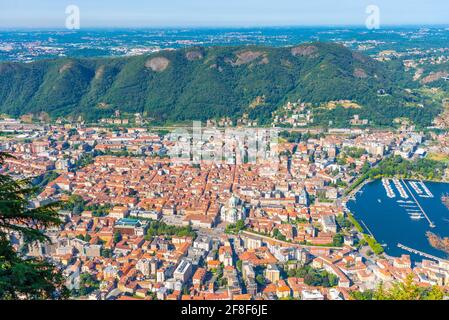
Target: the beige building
pixel 272 273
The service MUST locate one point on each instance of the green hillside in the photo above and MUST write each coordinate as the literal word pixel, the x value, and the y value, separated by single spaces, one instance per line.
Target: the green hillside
pixel 204 83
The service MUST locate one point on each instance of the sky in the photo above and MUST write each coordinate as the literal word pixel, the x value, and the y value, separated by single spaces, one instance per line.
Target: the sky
pixel 219 13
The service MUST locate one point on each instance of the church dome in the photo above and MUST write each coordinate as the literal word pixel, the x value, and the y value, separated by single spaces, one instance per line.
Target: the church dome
pixel 234 201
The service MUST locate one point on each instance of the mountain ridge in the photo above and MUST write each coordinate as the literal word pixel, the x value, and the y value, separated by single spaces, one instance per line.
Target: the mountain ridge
pixel 201 83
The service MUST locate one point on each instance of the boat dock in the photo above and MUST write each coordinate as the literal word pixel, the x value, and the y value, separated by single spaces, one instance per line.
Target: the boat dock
pixel 388 188
pixel 420 253
pixel 400 188
pixel 431 224
pixel 426 190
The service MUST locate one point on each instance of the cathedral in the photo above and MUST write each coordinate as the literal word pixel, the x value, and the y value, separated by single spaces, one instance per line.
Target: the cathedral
pixel 233 211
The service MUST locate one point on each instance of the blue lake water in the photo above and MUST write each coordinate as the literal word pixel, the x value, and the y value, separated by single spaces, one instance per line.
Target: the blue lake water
pixel 390 222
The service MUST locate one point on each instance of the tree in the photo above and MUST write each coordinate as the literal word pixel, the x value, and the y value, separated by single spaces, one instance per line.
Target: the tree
pixel 106 253
pixel 235 228
pixel 408 290
pixel 240 225
pixel 88 284
pixel 435 293
pixel 338 240
pixel 76 204
pixel 365 295
pixel 239 265
pixel 22 277
pixel 117 237
pixel 314 277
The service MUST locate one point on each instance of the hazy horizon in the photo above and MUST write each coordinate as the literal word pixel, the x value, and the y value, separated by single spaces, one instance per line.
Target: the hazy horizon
pixel 236 27
pixel 50 14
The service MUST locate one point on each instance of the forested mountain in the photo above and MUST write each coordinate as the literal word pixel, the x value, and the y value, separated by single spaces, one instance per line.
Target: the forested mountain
pixel 203 83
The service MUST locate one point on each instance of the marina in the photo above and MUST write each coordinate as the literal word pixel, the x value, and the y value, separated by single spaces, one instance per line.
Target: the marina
pixel 398 220
pixel 412 207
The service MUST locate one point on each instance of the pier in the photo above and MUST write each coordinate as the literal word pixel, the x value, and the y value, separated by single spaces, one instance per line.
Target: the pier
pixel 420 253
pixel 367 229
pixel 431 224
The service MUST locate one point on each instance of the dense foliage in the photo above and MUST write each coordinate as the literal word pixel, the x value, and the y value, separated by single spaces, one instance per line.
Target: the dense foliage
pixel 396 166
pixel 158 228
pixel 22 277
pixel 314 277
pixel 206 83
pixel 235 228
pixel 407 290
pixel 41 182
pixel 419 169
pixel 88 284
